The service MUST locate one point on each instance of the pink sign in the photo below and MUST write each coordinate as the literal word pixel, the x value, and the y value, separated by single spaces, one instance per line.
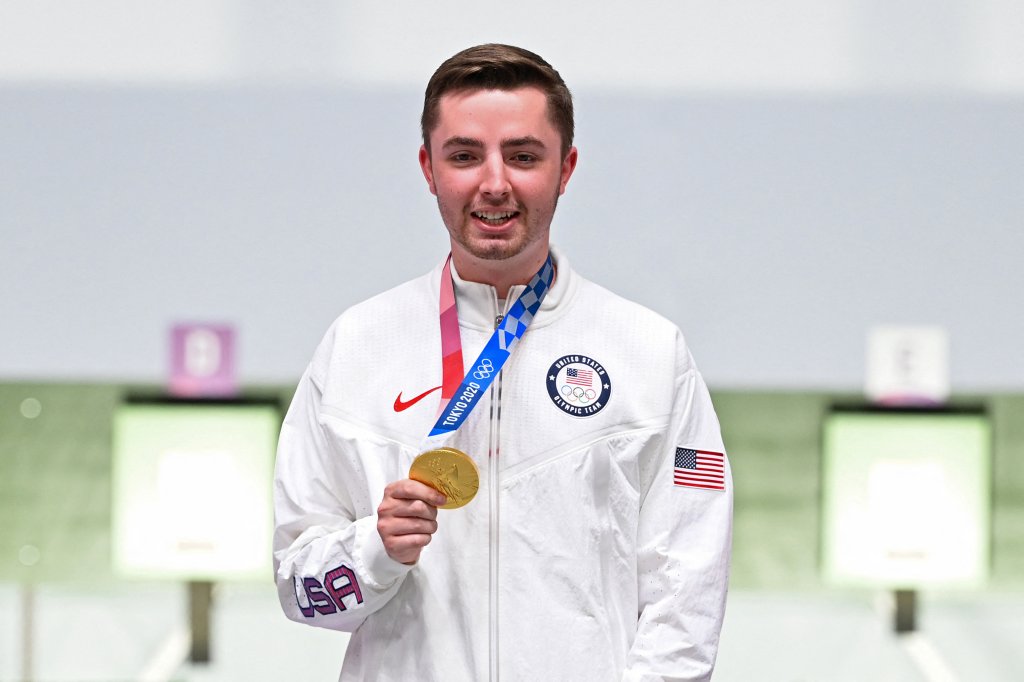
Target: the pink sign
pixel 202 361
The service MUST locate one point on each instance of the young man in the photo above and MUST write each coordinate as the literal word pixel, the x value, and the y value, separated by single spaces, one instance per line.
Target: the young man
pixel 597 547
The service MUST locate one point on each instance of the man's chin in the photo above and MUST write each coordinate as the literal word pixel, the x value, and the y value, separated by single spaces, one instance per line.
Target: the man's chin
pixel 494 249
pixel 493 254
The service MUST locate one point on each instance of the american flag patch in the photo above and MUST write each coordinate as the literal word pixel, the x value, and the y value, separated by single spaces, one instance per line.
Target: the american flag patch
pixel 699 469
pixel 581 377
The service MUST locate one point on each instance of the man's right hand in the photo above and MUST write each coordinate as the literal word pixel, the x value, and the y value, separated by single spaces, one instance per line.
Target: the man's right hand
pixel 407 518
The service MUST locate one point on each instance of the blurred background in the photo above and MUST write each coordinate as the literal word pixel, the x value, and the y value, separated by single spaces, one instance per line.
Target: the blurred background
pixel 782 180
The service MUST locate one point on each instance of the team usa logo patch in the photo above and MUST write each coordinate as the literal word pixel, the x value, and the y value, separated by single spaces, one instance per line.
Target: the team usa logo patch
pixel 579 385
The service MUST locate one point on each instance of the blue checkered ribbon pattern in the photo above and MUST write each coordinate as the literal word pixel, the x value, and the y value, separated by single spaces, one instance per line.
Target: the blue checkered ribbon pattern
pixel 526 306
pixel 495 354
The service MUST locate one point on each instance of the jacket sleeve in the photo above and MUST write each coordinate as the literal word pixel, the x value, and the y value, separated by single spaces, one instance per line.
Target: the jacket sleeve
pixel 330 564
pixel 684 544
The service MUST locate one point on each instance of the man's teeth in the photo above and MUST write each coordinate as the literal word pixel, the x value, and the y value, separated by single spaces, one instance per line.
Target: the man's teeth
pixel 494 217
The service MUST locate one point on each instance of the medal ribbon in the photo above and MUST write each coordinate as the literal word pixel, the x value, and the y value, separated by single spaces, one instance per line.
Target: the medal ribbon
pixel 460 394
pixel 451 339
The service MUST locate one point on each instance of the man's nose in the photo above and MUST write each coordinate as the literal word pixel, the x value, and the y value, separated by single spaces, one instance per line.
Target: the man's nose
pixel 494 182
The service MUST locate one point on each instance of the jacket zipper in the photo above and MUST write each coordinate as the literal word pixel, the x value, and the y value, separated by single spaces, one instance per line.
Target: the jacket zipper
pixel 492 471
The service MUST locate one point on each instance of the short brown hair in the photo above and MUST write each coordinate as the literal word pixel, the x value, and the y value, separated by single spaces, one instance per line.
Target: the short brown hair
pixel 499 67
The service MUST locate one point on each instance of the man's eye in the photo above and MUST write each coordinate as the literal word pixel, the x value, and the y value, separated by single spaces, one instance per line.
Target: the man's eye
pixel 523 157
pixel 462 157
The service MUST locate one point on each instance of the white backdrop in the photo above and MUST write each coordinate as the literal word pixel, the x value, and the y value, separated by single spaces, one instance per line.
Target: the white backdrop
pixel 775 180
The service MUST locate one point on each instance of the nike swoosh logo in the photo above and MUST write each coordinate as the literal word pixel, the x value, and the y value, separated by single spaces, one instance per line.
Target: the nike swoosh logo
pixel 401 405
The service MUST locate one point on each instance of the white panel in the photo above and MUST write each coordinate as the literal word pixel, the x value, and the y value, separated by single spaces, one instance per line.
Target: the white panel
pixel 794 44
pixel 664 45
pixel 115 40
pixel 996 48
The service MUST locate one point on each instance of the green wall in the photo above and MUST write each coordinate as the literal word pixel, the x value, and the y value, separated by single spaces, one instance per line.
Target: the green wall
pixel 55 482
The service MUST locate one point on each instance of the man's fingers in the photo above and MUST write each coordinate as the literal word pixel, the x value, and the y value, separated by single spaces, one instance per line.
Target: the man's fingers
pixel 405 525
pixel 407 501
pixel 408 489
pixel 416 509
pixel 407 518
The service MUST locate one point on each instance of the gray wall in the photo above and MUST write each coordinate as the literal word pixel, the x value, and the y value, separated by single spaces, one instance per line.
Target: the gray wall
pixel 774 229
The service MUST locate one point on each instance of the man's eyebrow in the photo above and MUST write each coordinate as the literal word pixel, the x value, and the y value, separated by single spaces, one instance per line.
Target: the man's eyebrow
pixel 525 141
pixel 457 141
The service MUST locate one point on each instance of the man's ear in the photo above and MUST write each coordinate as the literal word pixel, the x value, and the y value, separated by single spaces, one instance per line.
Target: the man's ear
pixel 428 170
pixel 568 166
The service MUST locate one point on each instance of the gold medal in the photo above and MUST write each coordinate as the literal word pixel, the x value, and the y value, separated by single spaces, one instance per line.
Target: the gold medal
pixel 449 471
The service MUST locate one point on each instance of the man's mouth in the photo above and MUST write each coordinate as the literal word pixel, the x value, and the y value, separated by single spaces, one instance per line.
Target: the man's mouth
pixel 495 218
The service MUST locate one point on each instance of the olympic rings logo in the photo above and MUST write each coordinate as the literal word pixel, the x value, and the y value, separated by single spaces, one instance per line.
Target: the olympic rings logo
pixel 578 394
pixel 484 370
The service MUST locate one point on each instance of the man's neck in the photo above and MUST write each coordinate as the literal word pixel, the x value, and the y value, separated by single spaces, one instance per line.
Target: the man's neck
pixel 500 274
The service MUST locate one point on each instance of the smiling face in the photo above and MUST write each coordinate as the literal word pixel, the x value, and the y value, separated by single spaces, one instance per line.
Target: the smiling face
pixel 496 168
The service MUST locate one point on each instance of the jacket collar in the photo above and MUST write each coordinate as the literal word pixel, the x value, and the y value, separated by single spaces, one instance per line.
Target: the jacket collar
pixel 478 304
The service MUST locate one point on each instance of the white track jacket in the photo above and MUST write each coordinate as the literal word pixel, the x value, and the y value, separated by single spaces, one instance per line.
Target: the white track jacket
pixel 598 545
